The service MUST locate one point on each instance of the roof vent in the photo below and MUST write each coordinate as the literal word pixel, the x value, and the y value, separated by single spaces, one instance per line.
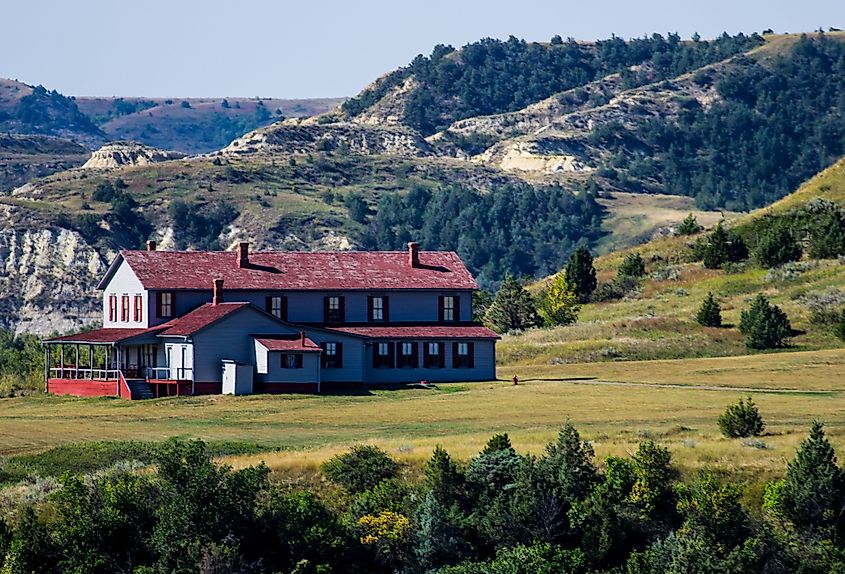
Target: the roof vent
pixel 217 296
pixel 414 254
pixel 243 254
pixel 151 245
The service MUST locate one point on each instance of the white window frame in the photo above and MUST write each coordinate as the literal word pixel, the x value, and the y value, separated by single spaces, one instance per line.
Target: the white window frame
pixel 383 349
pixel 407 349
pixel 448 308
pixel 166 304
pixel 433 349
pixel 276 306
pixel 463 349
pixel 378 309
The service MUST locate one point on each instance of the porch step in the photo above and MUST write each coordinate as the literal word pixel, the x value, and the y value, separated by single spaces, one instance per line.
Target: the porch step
pixel 140 389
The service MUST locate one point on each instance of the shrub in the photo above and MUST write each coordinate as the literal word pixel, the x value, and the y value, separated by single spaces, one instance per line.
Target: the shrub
pixel 633 266
pixel 722 247
pixel 689 226
pixel 741 420
pixel 827 237
pixel 361 468
pixel 619 288
pixel 764 325
pixel 710 312
pixel 839 328
pixel 777 245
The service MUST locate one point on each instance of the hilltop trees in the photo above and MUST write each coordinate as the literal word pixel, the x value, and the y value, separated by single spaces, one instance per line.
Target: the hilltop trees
pixel 764 325
pixel 710 312
pixel 581 274
pixel 512 308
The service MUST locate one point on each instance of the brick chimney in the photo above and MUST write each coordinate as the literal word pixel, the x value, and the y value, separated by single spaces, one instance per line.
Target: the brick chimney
pixel 151 245
pixel 243 254
pixel 302 338
pixel 217 296
pixel 414 254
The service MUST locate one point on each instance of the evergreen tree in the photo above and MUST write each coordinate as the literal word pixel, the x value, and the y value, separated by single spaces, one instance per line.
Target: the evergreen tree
pixel 444 478
pixel 723 247
pixel 498 442
pixel 689 226
pixel 741 420
pixel 777 245
pixel 812 494
pixel 437 541
pixel 839 327
pixel 581 274
pixel 710 312
pixel 512 308
pixel 827 237
pixel 559 302
pixel 632 266
pixel 764 325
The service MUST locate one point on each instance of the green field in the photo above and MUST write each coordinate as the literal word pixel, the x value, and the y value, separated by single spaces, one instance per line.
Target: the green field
pixel 616 405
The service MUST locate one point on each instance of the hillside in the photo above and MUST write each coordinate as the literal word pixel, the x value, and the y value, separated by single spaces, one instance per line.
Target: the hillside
pixel 27 157
pixel 657 320
pixel 193 125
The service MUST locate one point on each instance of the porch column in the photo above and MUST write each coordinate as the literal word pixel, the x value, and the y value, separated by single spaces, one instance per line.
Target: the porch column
pixel 47 368
pixel 62 361
pixel 91 359
pixel 76 374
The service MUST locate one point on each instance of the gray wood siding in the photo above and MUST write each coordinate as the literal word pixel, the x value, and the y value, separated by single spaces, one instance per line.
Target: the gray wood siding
pixel 309 373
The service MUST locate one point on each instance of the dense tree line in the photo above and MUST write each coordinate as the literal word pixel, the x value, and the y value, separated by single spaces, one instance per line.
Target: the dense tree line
pixel 493 76
pixel 517 229
pixel 501 512
pixel 47 112
pixel 778 122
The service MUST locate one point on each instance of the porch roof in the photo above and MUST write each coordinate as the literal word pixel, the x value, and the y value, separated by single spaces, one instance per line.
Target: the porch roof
pixel 105 336
pixel 288 343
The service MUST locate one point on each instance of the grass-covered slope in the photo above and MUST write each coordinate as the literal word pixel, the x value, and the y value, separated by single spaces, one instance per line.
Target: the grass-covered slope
pixel 658 320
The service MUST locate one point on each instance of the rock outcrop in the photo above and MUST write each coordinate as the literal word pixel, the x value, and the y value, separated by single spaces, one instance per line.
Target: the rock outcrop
pixel 119 154
pixel 295 136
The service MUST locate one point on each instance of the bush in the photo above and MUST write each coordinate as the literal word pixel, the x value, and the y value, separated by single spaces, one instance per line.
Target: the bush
pixel 827 237
pixel 710 312
pixel 764 325
pixel 722 247
pixel 839 328
pixel 633 266
pixel 741 420
pixel 689 226
pixel 777 245
pixel 360 469
pixel 619 288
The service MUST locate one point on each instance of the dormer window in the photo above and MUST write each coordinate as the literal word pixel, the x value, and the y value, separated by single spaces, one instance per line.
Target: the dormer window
pixel 334 309
pixel 164 304
pixel 378 308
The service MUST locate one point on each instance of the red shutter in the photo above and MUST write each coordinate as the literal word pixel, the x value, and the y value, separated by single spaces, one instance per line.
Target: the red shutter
pixel 385 305
pixel 375 355
pixel 426 356
pixel 456 312
pixel 326 309
pixel 299 360
pixel 415 351
pixel 339 347
pixel 341 306
pixel 323 356
pixel 369 307
pixel 112 303
pixel 442 354
pixel 391 355
pixel 268 304
pixel 139 309
pixel 172 304
pixel 454 355
pixel 440 308
pixel 471 352
pixel 284 308
pixel 158 304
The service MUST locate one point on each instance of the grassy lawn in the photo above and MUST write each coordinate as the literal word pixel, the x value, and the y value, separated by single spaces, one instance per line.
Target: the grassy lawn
pixel 302 431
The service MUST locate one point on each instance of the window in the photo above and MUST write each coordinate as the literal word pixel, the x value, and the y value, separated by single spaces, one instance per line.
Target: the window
pixel 383 355
pixel 462 355
pixel 113 307
pixel 334 307
pixel 164 304
pixel 450 308
pixel 332 355
pixel 434 358
pixel 139 308
pixel 378 308
pixel 407 355
pixel 124 308
pixel 291 360
pixel 277 305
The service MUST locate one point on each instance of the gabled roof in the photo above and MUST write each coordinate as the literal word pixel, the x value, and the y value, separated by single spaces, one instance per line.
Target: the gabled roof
pixel 200 318
pixel 296 271
pixel 105 335
pixel 288 343
pixel 420 332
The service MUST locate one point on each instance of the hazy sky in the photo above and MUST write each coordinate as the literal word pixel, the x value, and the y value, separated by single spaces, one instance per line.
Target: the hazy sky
pixel 329 48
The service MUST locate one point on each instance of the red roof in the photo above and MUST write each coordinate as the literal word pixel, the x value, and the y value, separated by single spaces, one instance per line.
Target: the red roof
pixel 288 343
pixel 104 335
pixel 291 270
pixel 200 318
pixel 421 332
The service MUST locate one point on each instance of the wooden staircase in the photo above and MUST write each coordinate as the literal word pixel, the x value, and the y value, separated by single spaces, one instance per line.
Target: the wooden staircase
pixel 140 389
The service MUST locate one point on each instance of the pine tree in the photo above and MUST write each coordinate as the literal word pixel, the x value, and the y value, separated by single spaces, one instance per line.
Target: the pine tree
pixel 839 328
pixel 444 478
pixel 812 495
pixel 741 420
pixel 764 325
pixel 512 308
pixel 722 247
pixel 710 312
pixel 827 238
pixel 777 245
pixel 559 303
pixel 581 273
pixel 437 541
pixel 498 442
pixel 632 266
pixel 689 226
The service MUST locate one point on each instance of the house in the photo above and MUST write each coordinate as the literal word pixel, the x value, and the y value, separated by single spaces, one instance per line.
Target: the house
pixel 180 322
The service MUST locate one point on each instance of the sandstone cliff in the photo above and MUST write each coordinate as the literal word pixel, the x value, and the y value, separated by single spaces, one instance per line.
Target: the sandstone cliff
pixel 119 154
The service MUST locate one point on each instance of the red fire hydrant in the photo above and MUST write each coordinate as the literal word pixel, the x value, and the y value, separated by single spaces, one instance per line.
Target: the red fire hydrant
pixel 515 380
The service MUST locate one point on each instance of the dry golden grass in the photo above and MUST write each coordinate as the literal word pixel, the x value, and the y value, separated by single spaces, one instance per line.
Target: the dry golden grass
pixel 461 417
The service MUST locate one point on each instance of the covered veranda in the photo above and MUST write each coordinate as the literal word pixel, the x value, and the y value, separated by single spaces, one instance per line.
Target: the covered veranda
pixel 99 362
